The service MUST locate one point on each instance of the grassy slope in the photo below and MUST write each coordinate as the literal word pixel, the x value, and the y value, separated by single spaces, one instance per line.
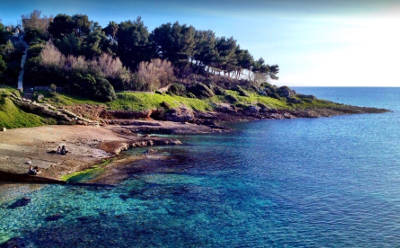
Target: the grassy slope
pixel 13 117
pixel 138 101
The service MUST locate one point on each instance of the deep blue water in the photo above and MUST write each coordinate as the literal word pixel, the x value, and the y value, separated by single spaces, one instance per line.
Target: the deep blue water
pixel 326 182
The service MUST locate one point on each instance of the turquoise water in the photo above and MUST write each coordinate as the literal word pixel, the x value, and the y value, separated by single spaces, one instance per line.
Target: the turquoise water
pixel 326 182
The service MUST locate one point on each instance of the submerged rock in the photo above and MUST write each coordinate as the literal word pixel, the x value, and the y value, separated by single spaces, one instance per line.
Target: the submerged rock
pixel 54 217
pixel 13 243
pixel 20 203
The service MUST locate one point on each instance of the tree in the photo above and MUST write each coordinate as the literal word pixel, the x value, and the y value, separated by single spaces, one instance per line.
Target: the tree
pixel 35 26
pixel 111 30
pixel 3 66
pixel 205 52
pixel 273 71
pixel 4 34
pixel 61 26
pixel 133 43
pixel 244 60
pixel 226 59
pixel 174 42
pixel 81 25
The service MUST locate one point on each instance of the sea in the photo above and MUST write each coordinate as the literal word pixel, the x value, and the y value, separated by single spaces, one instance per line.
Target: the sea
pixel 323 182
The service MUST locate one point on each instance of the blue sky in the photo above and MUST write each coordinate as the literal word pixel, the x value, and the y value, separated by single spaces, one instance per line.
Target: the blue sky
pixel 324 43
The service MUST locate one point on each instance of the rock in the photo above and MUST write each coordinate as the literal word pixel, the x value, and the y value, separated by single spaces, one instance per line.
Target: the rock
pixel 120 114
pixel 225 108
pixel 28 162
pixel 3 129
pixel 163 89
pixel 54 217
pixel 14 243
pixel 231 98
pixel 165 105
pixel 181 114
pixel 114 147
pixel 252 110
pixel 285 91
pixel 293 100
pixel 263 107
pixel 40 98
pixel 20 203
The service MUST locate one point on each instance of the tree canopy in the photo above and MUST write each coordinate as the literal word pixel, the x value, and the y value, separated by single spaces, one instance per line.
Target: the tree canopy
pixel 126 45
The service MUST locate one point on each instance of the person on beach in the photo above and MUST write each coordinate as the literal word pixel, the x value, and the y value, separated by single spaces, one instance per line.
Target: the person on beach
pixel 33 171
pixel 63 150
pixel 58 150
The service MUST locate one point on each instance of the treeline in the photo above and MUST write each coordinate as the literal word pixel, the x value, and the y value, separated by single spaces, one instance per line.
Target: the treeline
pixel 78 54
pixel 10 56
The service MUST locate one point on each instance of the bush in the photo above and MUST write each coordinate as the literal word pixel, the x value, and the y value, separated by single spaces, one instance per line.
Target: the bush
pixel 105 65
pixel 177 89
pixel 154 74
pixel 89 86
pixel 201 90
pixel 241 91
pixel 219 91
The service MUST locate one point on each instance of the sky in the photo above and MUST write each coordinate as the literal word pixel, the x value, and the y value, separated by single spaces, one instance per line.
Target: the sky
pixel 314 42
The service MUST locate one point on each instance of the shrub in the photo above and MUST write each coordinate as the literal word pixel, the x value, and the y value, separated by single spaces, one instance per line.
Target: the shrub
pixel 241 91
pixel 177 89
pixel 50 56
pixel 219 91
pixel 87 85
pixel 201 90
pixel 35 26
pixel 154 74
pixel 106 66
pixel 3 65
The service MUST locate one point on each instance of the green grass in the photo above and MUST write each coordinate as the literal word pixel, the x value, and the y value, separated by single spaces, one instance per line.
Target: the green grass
pixel 138 101
pixel 13 117
pixel 318 103
pixel 62 100
pixel 254 98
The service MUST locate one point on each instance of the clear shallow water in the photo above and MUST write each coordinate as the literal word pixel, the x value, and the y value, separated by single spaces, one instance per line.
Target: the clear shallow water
pixel 327 182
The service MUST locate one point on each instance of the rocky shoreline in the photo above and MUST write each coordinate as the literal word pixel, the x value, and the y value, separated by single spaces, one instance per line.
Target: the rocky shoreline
pixel 87 146
pixel 90 145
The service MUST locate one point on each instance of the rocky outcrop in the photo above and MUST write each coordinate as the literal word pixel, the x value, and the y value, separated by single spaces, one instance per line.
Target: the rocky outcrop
pixel 42 110
pixel 285 91
pixel 225 108
pixel 62 116
pixel 181 114
pixel 120 114
pixel 116 147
